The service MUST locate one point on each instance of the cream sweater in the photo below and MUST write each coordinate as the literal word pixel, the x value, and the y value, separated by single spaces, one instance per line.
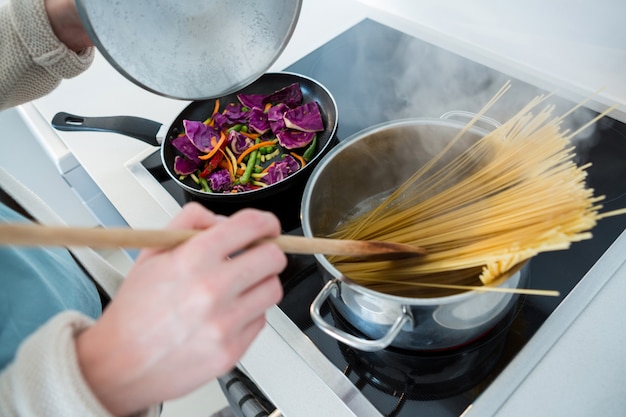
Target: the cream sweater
pixel 32 60
pixel 45 379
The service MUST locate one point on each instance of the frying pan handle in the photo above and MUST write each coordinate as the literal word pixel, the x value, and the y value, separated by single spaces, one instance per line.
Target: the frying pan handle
pixel 368 345
pixel 136 127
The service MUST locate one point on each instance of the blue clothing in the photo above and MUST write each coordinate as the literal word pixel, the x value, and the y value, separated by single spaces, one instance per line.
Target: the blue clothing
pixel 35 285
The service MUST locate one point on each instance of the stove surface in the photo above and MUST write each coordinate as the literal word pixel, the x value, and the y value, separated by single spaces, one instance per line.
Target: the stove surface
pixel 377 74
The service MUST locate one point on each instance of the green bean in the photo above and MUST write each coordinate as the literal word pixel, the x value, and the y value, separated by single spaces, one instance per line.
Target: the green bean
pixel 236 127
pixel 310 151
pixel 245 177
pixel 205 185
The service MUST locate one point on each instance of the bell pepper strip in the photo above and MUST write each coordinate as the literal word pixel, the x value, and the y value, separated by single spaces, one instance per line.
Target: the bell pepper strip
pixel 212 164
pixel 254 148
pixel 299 158
pixel 310 151
pixel 217 146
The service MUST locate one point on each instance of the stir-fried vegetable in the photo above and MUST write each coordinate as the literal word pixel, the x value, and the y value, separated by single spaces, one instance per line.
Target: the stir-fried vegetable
pixel 252 143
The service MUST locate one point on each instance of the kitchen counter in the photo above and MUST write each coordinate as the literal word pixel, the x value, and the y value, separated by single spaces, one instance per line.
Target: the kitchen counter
pixel 530 41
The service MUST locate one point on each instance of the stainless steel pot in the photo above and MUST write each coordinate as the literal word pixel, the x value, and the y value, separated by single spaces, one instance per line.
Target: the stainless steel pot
pixel 367 164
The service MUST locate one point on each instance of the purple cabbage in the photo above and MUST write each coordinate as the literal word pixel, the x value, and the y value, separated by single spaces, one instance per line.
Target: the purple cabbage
pixel 252 100
pixel 275 117
pixel 236 113
pixel 238 142
pixel 306 118
pixel 259 121
pixel 219 180
pixel 221 122
pixel 201 135
pixel 294 139
pixel 184 166
pixel 281 170
pixel 188 149
pixel 290 95
pixel 241 188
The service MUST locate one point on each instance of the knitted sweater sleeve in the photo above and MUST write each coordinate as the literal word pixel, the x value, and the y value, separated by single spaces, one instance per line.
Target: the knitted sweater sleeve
pixel 45 378
pixel 33 60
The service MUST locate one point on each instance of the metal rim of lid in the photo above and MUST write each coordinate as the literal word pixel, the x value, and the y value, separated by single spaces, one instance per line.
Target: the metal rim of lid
pixel 188 58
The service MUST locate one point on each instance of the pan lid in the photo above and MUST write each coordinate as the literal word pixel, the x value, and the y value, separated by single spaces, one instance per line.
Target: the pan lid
pixel 194 49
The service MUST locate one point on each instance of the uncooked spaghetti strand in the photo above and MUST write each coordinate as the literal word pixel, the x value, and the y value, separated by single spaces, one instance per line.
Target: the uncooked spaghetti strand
pixel 491 222
pixel 398 220
pixel 481 288
pixel 473 213
pixel 434 199
pixel 591 122
pixel 428 165
pixel 477 252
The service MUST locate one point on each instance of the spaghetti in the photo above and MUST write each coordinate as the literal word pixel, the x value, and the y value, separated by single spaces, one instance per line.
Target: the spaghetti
pixel 514 193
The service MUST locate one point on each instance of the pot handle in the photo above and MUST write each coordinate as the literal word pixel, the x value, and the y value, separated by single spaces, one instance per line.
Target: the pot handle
pixel 468 115
pixel 136 127
pixel 368 345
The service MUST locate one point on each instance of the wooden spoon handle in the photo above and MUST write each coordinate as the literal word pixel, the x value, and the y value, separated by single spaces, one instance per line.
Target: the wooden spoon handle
pixel 39 235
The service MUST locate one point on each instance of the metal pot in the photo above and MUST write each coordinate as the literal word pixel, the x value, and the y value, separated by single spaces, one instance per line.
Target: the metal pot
pixel 367 164
pixel 154 133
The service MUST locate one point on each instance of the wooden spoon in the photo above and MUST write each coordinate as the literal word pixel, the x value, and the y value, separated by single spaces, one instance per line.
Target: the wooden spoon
pixel 28 234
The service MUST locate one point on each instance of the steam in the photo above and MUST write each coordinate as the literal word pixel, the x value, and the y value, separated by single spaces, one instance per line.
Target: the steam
pixel 432 81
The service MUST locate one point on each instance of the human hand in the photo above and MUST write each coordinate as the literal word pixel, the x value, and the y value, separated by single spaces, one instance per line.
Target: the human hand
pixel 184 316
pixel 67 25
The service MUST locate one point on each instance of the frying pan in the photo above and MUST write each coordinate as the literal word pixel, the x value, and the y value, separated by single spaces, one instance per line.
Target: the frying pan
pixel 290 188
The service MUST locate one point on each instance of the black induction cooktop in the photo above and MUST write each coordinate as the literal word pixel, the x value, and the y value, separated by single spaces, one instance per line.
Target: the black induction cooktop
pixel 378 74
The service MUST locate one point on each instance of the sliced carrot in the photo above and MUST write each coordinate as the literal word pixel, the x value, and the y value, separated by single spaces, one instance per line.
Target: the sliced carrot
pixel 217 146
pixel 250 135
pixel 231 158
pixel 216 108
pixel 267 107
pixel 254 147
pixel 299 158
